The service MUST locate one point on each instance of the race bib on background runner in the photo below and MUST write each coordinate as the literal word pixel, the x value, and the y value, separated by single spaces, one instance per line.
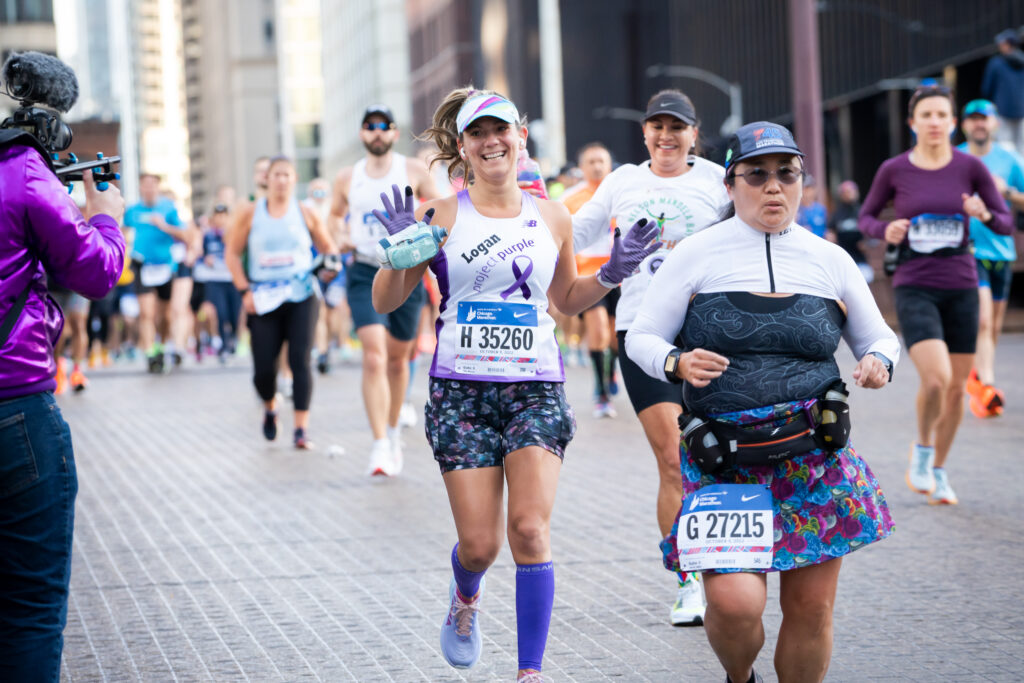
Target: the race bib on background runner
pixel 155 274
pixel 726 526
pixel 930 232
pixel 496 338
pixel 268 296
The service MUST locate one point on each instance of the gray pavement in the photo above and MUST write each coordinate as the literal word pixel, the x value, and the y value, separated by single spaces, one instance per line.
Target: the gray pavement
pixel 203 553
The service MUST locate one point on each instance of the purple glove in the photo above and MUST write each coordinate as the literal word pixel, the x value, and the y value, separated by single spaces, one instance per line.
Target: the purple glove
pixel 401 214
pixel 627 254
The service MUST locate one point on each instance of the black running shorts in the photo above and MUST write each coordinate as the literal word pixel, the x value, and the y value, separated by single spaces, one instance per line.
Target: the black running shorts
pixel 947 314
pixel 643 390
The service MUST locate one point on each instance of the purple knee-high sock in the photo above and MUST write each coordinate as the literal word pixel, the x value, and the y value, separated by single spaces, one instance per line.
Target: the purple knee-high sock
pixel 535 593
pixel 468 582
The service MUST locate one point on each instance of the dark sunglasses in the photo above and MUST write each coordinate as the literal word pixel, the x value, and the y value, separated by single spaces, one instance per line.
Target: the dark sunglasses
pixel 756 177
pixel 377 125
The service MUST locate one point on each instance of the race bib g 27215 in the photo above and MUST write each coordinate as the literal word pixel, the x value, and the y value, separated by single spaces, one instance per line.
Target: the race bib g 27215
pixel 496 338
pixel 726 526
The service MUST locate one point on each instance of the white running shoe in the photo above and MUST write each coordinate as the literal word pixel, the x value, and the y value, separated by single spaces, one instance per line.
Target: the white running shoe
pixel 689 607
pixel 397 460
pixel 380 458
pixel 920 476
pixel 407 415
pixel 943 493
pixel 284 386
pixel 461 641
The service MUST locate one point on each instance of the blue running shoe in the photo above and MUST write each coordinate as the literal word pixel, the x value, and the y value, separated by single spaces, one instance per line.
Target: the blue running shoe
pixel 461 641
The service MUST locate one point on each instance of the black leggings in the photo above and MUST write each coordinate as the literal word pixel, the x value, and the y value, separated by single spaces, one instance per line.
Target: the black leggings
pixel 227 303
pixel 294 322
pixel 100 311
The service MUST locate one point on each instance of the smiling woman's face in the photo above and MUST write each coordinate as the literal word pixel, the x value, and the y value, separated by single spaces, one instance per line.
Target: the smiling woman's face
pixel 772 206
pixel 492 147
pixel 668 140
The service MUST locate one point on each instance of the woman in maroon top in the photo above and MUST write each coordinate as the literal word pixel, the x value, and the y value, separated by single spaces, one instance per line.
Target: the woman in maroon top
pixel 935 190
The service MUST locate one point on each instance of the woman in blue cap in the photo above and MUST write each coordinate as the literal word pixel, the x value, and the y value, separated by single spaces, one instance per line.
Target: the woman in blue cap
pixel 770 483
pixel 497 412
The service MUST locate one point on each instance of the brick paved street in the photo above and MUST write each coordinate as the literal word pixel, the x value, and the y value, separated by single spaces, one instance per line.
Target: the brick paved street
pixel 202 553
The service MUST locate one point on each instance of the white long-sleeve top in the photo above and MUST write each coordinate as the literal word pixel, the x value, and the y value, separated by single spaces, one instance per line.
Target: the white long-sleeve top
pixel 682 205
pixel 734 257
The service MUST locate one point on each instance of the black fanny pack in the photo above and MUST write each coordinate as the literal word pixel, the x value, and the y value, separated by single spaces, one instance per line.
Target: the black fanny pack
pixel 715 445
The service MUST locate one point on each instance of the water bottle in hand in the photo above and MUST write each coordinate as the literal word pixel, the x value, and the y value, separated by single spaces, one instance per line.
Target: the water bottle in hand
pixel 412 246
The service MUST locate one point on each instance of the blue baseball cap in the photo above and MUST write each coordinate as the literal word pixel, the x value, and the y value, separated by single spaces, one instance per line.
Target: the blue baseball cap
pixel 758 139
pixel 979 108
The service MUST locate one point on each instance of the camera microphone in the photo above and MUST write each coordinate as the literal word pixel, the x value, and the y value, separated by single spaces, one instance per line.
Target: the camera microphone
pixel 36 77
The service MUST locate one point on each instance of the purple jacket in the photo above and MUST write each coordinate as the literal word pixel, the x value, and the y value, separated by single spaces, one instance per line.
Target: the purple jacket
pixel 42 231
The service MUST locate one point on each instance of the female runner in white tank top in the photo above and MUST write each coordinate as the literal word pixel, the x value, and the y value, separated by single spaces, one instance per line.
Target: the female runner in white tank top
pixel 497 411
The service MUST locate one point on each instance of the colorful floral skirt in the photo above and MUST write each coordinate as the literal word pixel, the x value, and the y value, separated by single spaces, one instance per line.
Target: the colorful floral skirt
pixel 826 505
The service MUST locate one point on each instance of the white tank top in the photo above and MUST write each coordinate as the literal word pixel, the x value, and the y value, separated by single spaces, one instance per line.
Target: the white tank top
pixel 494 274
pixel 364 197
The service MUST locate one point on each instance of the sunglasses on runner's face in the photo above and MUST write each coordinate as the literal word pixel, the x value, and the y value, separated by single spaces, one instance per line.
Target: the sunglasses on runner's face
pixel 756 177
pixel 377 125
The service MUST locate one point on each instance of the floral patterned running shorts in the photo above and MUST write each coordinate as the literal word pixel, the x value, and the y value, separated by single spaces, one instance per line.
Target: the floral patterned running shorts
pixel 826 504
pixel 473 424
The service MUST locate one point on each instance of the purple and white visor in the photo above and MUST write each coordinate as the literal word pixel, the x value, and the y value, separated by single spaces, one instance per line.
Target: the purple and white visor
pixel 484 104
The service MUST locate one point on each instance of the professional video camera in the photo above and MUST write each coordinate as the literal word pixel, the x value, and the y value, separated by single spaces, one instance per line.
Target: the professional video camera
pixel 35 78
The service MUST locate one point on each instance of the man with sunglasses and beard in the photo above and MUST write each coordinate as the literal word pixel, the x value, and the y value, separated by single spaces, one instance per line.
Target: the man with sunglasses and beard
pixel 387 340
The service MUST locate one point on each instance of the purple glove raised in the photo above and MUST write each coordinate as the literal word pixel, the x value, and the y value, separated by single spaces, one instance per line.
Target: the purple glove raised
pixel 401 214
pixel 627 254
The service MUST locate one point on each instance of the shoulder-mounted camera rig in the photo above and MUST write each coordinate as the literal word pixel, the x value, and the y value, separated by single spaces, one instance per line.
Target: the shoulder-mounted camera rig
pixel 34 78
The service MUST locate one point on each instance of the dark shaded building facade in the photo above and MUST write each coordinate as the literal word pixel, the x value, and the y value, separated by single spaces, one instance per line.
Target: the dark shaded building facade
pixel 489 43
pixel 870 51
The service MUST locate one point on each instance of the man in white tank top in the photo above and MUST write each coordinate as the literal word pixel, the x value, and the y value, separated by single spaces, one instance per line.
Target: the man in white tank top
pixel 388 340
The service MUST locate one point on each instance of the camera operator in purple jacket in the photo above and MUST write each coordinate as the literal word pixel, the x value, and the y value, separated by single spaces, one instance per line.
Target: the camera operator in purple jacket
pixel 43 238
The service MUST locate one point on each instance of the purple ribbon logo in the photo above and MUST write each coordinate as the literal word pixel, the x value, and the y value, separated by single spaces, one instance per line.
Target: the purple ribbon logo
pixel 521 278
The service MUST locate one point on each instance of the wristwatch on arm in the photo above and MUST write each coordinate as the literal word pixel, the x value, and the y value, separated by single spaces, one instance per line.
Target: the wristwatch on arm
pixel 672 364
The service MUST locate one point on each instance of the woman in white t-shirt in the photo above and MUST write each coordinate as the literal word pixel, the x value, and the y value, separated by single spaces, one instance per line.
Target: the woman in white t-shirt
pixel 497 412
pixel 684 194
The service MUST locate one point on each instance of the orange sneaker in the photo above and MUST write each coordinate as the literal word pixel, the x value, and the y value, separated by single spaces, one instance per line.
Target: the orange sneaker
pixel 993 399
pixel 987 402
pixel 978 408
pixel 61 377
pixel 78 381
pixel 974 384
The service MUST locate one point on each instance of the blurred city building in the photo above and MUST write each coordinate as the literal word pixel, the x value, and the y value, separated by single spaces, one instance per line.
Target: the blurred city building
pixel 83 43
pixel 232 94
pixel 158 93
pixel 872 53
pixel 301 85
pixel 25 25
pixel 365 61
pixel 492 44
